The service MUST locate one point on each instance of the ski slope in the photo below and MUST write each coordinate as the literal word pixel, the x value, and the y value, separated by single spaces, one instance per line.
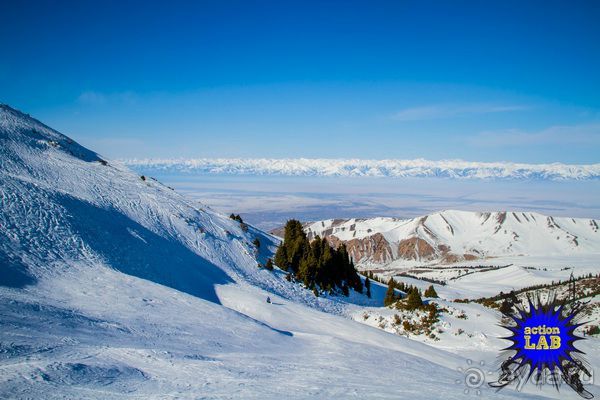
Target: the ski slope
pixel 115 286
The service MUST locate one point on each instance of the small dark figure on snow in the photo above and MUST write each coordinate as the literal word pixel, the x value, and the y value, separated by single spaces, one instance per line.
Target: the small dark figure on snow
pixel 268 300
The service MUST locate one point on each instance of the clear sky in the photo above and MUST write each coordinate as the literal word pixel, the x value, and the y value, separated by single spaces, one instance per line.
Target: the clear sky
pixel 481 80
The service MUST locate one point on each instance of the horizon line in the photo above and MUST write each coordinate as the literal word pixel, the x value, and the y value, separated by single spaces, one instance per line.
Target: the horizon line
pixel 356 167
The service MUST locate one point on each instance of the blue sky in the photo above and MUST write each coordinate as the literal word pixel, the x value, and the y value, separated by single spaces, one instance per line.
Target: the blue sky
pixel 481 81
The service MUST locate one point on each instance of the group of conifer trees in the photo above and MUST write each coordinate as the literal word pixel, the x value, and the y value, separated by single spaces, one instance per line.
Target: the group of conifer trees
pixel 413 300
pixel 318 265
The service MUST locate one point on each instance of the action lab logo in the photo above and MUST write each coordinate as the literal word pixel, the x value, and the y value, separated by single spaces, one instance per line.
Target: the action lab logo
pixel 541 333
pixel 543 337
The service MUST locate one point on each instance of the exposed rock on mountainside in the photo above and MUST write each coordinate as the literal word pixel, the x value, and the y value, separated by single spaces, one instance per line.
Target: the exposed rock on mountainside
pixel 454 236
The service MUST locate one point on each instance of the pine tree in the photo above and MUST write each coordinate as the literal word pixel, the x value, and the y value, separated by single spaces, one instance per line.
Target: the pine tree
pixel 256 243
pixel 316 262
pixel 308 267
pixel 236 217
pixel 357 283
pixel 345 290
pixel 414 300
pixel 368 287
pixel 390 295
pixel 269 265
pixel 433 313
pixel 281 258
pixel 430 292
pixel 291 251
pixel 325 269
pixel 506 307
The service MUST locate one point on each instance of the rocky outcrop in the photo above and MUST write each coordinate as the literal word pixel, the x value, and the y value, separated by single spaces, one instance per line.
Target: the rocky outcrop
pixel 374 248
pixel 415 249
pixel 457 236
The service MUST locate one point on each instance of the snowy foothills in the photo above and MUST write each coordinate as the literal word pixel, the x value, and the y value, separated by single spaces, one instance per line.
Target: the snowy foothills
pixel 115 286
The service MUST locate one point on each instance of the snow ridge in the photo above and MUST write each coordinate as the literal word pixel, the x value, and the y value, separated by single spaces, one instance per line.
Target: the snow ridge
pixel 458 169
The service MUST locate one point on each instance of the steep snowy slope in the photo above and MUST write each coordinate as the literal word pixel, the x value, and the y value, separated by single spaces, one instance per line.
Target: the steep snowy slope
pixel 453 236
pixel 114 286
pixel 62 204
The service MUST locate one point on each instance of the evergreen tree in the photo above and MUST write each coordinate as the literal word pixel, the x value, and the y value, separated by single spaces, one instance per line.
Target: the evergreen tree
pixel 316 262
pixel 256 243
pixel 281 258
pixel 308 266
pixel 269 265
pixel 430 292
pixel 236 217
pixel 414 300
pixel 390 295
pixel 368 287
pixel 345 289
pixel 433 313
pixel 325 268
pixel 355 280
pixel 506 307
pixel 291 251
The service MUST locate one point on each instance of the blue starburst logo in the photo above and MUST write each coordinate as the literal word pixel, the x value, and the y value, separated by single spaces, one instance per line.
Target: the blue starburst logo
pixel 543 340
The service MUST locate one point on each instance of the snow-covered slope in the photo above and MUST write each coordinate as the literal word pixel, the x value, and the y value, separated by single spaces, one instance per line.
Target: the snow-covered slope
pixel 456 236
pixel 63 204
pixel 114 286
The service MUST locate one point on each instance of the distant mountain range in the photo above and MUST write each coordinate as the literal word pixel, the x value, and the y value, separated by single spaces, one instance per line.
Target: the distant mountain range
pixel 372 168
pixel 454 236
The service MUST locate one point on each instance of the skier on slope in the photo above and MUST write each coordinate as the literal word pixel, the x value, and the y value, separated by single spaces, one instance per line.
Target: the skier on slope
pixel 268 300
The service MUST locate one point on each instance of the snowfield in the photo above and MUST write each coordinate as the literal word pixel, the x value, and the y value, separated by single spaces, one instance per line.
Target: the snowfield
pixel 114 286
